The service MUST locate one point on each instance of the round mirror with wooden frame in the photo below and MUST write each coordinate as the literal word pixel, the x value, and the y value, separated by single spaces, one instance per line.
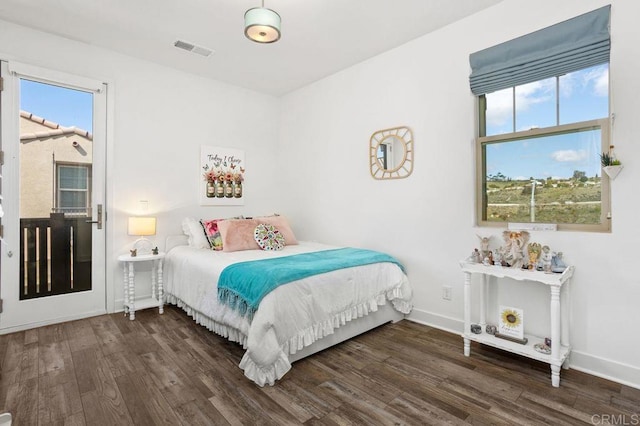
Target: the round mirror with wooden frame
pixel 391 153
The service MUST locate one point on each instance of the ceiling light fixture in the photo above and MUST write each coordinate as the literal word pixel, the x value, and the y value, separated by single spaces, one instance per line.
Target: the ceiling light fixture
pixel 262 25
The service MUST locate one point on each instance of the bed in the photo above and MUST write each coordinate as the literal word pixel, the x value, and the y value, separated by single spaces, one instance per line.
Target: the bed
pixel 292 321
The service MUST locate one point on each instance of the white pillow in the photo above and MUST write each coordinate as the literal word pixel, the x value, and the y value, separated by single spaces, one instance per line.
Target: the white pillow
pixel 195 233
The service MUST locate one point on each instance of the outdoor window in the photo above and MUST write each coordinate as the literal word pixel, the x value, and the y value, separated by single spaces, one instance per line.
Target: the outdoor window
pixel 536 163
pixel 542 125
pixel 73 183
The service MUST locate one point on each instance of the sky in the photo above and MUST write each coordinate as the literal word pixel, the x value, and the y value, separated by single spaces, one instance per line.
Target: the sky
pixel 583 95
pixel 66 107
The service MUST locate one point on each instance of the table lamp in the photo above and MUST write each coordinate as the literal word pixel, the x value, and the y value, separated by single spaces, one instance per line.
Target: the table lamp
pixel 142 227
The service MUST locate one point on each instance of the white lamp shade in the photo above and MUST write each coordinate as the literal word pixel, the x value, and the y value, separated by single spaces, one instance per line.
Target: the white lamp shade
pixel 142 226
pixel 262 25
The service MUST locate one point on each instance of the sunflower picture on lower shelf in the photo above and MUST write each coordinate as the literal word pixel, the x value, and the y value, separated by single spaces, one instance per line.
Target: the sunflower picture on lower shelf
pixel 511 322
pixel 511 318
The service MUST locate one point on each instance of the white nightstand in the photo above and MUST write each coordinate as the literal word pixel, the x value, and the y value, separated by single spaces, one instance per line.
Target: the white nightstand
pixel 157 292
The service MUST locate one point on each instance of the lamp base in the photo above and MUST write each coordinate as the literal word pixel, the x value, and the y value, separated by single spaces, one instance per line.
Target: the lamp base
pixel 143 246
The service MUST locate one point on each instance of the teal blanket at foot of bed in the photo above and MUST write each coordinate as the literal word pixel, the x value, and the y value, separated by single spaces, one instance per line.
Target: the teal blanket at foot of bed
pixel 243 285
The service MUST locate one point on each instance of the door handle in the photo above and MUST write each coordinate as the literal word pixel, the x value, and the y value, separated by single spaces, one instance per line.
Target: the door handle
pixel 99 221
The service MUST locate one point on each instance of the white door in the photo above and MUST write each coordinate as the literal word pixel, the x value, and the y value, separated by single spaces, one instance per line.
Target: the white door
pixel 52 257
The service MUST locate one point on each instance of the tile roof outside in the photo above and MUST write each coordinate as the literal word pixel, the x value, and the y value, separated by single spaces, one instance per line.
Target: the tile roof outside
pixel 57 130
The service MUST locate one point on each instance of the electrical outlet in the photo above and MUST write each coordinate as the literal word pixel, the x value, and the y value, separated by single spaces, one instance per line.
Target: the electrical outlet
pixel 446 292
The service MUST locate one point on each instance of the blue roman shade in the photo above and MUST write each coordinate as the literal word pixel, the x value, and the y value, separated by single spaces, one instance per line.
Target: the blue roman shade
pixel 577 43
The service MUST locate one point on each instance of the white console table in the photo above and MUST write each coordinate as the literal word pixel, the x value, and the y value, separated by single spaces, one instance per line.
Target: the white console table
pixel 557 283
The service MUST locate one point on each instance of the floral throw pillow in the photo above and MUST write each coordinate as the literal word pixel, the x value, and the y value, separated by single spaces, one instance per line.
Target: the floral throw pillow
pixel 268 237
pixel 213 235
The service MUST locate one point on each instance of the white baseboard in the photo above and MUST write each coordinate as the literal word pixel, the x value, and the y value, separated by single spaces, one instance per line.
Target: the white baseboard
pixel 58 320
pixel 625 374
pixel 607 369
pixel 452 325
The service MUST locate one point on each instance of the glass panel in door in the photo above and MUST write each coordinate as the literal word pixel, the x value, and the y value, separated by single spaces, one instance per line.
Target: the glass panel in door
pixel 56 147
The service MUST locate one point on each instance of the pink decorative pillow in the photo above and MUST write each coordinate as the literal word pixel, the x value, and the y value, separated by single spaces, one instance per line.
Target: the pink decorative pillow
pixel 238 234
pixel 282 224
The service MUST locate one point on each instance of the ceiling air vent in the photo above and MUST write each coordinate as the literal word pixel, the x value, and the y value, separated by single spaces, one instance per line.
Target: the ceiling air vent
pixel 192 48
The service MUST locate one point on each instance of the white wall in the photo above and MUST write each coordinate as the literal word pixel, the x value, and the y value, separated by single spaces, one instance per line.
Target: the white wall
pixel 159 119
pixel 427 220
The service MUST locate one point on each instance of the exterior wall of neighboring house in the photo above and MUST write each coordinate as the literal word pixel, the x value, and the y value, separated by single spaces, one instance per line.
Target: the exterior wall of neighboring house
pixel 43 144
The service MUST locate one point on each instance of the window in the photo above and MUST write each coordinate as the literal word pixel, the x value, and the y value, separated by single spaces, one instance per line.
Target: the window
pixel 543 121
pixel 73 194
pixel 570 98
pixel 539 161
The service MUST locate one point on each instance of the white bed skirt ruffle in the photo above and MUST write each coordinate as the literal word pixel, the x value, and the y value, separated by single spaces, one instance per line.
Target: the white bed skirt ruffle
pixel 228 332
pixel 268 374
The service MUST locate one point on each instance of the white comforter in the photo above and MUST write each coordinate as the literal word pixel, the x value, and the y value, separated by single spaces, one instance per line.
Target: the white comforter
pixel 290 317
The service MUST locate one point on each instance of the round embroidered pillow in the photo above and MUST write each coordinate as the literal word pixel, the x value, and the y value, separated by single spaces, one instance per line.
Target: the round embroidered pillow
pixel 268 237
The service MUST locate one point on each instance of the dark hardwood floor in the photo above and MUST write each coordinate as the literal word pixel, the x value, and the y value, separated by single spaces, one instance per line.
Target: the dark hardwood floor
pixel 165 369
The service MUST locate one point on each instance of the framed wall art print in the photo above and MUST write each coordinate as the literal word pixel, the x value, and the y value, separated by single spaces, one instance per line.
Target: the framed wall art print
pixel 221 176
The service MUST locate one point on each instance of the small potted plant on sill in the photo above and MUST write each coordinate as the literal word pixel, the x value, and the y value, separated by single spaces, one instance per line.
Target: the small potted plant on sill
pixel 610 163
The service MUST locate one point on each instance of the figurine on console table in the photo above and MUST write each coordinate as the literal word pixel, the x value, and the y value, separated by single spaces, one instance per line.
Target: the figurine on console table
pixel 484 246
pixel 514 248
pixel 544 262
pixel 475 257
pixel 534 250
pixel 497 258
pixel 557 264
